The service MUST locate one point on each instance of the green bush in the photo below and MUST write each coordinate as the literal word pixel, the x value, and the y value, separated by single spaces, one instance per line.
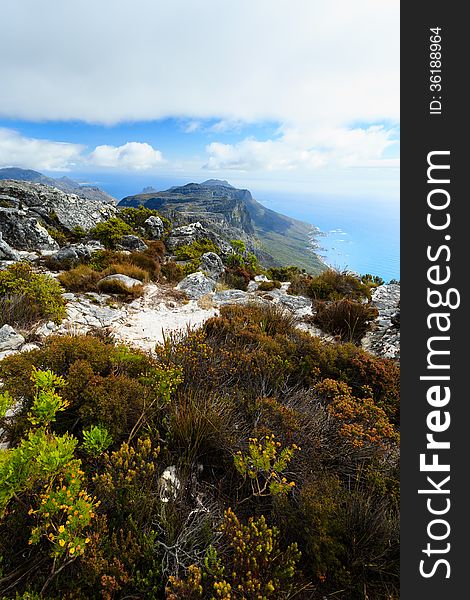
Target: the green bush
pixel 195 250
pixel 136 217
pixel 330 285
pixel 348 319
pixel 111 231
pixel 29 296
pixel 268 286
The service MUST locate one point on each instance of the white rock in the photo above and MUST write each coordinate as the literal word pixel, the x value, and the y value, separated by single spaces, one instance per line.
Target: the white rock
pixel 9 339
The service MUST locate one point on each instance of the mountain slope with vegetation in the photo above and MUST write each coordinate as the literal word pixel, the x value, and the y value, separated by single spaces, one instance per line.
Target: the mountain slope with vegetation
pixel 179 421
pixel 277 239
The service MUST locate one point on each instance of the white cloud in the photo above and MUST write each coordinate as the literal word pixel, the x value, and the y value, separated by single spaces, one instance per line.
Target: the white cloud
pixel 309 61
pixel 306 149
pixel 137 156
pixel 19 151
pixel 32 153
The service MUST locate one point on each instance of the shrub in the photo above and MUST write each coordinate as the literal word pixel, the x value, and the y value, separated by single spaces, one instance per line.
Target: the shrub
pixel 129 269
pixel 111 231
pixel 195 250
pixel 172 271
pixel 254 566
pixel 17 310
pixel 264 466
pixel 42 473
pixel 330 285
pixel 237 278
pixel 121 389
pixel 346 318
pixel 114 286
pixel 268 286
pixel 283 273
pixel 80 279
pixel 42 292
pixel 136 217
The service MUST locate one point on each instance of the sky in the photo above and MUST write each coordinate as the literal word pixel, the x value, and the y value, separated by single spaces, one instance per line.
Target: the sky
pixel 294 95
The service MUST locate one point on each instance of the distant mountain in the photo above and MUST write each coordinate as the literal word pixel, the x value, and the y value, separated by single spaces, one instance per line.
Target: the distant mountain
pixel 277 239
pixel 65 184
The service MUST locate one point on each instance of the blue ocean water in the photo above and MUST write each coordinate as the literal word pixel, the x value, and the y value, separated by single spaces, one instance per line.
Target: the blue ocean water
pixel 359 234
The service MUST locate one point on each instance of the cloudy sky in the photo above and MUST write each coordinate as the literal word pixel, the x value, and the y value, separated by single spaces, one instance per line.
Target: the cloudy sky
pixel 283 92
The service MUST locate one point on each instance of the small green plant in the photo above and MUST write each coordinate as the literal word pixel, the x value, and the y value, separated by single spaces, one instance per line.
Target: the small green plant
pixel 264 465
pixel 47 403
pixel 239 246
pixel 111 231
pixel 255 567
pixel 96 440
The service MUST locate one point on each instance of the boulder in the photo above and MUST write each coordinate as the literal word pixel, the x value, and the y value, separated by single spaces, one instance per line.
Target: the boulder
pixel 133 243
pixel 9 339
pixel 196 285
pixel 212 264
pixel 76 252
pixel 155 228
pixel 129 282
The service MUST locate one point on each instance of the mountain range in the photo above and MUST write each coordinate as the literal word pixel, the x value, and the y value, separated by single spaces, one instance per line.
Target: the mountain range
pixel 65 184
pixel 277 240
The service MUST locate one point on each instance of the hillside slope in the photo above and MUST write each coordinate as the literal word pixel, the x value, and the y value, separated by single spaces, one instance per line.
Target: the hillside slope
pixel 277 239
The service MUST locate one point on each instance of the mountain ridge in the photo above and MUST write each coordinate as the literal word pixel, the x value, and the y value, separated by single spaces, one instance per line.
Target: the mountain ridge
pixel 275 238
pixel 65 184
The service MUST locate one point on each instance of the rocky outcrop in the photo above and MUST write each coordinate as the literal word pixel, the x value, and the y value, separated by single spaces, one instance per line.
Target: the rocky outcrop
pixel 132 243
pixel 77 252
pixel 62 183
pixel 196 285
pixel 10 339
pixel 187 234
pixel 154 228
pixel 6 251
pixel 384 337
pixel 22 230
pixel 53 207
pixel 212 264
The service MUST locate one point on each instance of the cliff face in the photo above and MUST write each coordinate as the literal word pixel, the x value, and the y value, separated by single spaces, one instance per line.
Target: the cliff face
pixel 234 214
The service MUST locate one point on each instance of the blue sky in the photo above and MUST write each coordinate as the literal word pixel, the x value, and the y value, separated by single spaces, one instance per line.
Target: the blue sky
pixel 299 96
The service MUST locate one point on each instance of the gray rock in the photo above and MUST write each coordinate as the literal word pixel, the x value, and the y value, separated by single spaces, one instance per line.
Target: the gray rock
pixel 129 282
pixel 212 264
pixel 23 231
pixel 9 339
pixel 46 329
pixel 196 285
pixel 154 227
pixel 6 252
pixel 294 303
pixel 132 243
pixel 233 297
pixel 53 206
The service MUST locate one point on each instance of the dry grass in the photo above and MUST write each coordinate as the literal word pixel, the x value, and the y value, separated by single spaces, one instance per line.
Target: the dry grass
pixel 131 270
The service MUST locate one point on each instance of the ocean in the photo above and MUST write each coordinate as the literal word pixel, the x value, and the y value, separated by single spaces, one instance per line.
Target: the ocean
pixel 359 234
